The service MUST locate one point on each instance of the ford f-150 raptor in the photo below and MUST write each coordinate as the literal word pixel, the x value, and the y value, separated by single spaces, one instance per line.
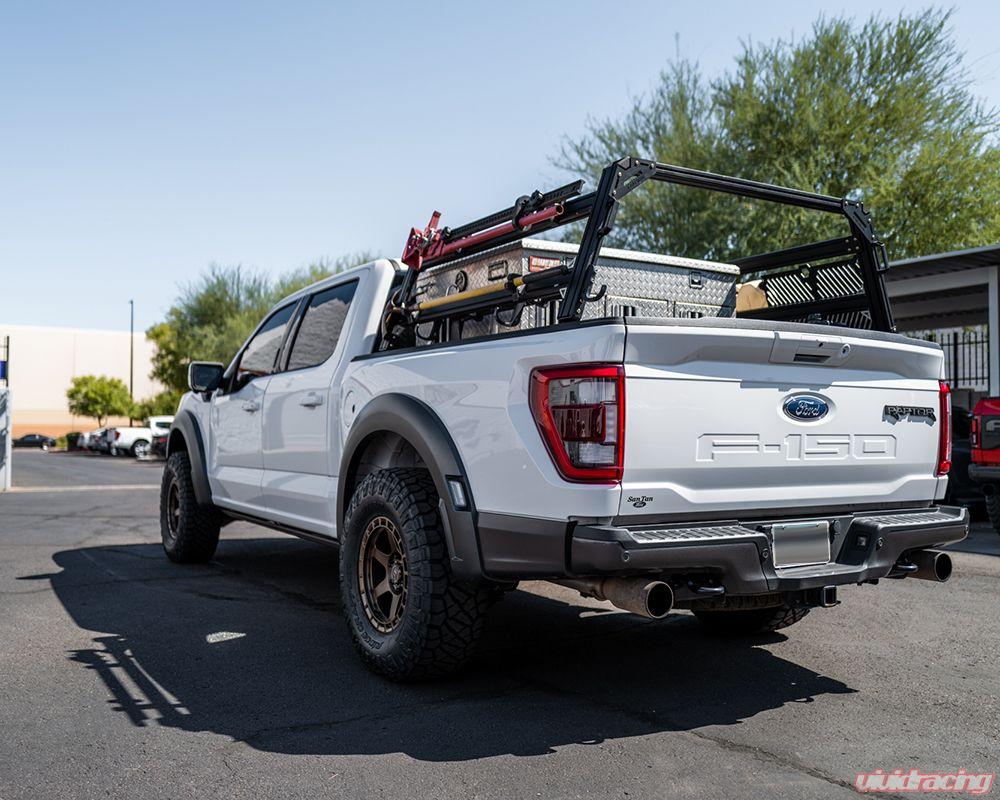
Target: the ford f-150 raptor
pixel 739 440
pixel 984 465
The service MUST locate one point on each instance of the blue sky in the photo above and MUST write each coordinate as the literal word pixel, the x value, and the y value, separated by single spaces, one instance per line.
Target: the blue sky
pixel 140 142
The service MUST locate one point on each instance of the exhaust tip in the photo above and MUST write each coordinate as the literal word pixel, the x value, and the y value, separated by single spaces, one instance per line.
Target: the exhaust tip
pixel 647 598
pixel 942 567
pixel 659 599
pixel 930 565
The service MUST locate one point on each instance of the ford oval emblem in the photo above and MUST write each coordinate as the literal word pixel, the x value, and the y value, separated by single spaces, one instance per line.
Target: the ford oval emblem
pixel 806 407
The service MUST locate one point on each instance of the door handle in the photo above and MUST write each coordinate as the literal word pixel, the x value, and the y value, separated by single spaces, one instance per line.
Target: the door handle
pixel 311 400
pixel 251 406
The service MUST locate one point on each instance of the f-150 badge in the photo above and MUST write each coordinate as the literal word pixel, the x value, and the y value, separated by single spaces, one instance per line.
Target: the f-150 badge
pixel 913 412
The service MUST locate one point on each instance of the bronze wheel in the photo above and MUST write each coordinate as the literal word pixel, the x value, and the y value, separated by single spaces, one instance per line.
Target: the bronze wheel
pixel 409 618
pixel 173 509
pixel 190 532
pixel 382 574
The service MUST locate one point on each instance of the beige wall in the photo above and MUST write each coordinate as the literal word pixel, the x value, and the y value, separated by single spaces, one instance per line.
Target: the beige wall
pixel 43 361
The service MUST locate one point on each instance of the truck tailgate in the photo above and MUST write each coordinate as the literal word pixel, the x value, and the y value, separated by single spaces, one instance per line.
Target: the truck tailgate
pixel 729 417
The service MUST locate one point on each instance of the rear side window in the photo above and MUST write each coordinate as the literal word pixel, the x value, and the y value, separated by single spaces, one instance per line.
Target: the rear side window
pixel 258 358
pixel 321 325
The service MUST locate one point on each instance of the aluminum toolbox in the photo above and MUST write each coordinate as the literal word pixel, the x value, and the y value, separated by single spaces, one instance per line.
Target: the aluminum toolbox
pixel 638 284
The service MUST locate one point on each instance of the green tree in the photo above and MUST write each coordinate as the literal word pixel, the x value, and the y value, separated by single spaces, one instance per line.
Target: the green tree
pixel 98 396
pixel 214 315
pixel 159 405
pixel 879 111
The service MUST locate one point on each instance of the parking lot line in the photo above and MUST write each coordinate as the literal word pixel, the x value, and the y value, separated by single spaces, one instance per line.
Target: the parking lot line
pixel 98 488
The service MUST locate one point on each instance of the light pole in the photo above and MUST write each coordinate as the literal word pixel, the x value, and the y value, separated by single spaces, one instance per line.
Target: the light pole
pixel 131 348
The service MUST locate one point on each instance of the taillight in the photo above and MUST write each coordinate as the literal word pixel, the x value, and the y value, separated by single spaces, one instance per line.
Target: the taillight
pixel 118 435
pixel 974 432
pixel 944 429
pixel 580 412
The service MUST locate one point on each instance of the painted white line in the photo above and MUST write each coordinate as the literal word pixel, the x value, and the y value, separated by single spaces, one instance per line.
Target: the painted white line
pixel 103 487
pixel 223 636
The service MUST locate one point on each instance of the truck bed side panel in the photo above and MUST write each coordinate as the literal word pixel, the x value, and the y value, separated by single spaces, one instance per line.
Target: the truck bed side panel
pixel 480 392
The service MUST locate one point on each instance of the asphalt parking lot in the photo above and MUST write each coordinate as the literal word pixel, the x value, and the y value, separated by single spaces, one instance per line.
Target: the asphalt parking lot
pixel 123 675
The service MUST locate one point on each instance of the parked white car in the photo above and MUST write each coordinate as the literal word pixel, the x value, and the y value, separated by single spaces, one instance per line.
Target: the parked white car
pixel 743 465
pixel 136 441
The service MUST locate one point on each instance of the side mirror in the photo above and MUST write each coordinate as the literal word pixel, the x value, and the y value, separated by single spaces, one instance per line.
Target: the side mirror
pixel 204 376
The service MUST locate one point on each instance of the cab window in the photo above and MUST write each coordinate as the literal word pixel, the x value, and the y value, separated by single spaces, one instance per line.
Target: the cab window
pixel 322 323
pixel 260 354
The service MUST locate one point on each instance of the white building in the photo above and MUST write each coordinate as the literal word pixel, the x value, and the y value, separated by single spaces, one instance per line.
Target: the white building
pixel 43 360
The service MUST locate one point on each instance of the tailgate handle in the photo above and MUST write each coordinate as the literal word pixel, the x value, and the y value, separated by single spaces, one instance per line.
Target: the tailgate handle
pixel 799 348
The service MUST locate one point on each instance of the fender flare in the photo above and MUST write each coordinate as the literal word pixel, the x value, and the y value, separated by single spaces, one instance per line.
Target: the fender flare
pixel 185 428
pixel 416 422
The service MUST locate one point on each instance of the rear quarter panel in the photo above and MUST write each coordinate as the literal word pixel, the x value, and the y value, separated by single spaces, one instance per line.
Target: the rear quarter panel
pixel 480 392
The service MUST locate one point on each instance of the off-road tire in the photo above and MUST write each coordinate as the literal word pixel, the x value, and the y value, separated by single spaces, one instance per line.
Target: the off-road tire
pixel 993 508
pixel 727 622
pixel 190 532
pixel 441 618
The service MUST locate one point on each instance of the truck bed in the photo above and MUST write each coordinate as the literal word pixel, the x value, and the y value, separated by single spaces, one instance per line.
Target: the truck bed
pixel 705 434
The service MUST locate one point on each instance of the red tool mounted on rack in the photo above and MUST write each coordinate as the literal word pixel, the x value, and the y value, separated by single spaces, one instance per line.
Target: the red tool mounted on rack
pixel 434 244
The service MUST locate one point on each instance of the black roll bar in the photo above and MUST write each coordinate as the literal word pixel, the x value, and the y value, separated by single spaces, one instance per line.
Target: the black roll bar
pixel 600 208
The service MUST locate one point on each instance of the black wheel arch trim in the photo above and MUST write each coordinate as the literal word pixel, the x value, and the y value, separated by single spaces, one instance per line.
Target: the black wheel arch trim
pixel 185 426
pixel 418 424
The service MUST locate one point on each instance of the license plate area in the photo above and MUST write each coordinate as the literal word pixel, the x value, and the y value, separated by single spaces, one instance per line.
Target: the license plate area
pixel 799 544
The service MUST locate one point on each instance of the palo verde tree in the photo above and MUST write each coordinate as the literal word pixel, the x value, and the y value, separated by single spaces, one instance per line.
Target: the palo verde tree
pixel 98 396
pixel 214 315
pixel 880 111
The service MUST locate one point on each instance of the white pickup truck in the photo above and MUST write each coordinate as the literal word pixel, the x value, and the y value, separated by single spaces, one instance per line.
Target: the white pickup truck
pixel 136 441
pixel 742 466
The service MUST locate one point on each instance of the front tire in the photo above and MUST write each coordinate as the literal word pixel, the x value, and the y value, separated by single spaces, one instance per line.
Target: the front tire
pixel 190 532
pixel 729 622
pixel 409 618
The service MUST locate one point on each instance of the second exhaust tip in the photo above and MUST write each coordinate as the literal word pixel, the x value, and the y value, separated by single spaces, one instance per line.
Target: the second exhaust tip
pixel 932 565
pixel 659 599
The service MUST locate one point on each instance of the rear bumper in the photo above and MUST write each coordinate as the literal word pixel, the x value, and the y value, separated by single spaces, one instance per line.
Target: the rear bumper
pixel 738 555
pixel 735 554
pixel 984 473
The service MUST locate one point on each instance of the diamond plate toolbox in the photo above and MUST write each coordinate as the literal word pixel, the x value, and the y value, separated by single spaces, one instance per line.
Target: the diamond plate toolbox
pixel 638 284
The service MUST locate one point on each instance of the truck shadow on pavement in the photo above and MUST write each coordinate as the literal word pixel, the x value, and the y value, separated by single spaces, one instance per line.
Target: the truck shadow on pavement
pixel 253 646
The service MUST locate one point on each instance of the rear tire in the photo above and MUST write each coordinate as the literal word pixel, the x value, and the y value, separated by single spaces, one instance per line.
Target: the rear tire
pixel 190 532
pixel 140 449
pixel 748 623
pixel 409 618
pixel 993 508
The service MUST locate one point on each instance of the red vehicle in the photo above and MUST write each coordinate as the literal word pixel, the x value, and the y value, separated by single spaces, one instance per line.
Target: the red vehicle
pixel 984 467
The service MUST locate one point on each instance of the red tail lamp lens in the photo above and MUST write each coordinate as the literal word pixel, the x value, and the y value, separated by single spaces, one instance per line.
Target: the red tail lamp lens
pixel 580 412
pixel 944 429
